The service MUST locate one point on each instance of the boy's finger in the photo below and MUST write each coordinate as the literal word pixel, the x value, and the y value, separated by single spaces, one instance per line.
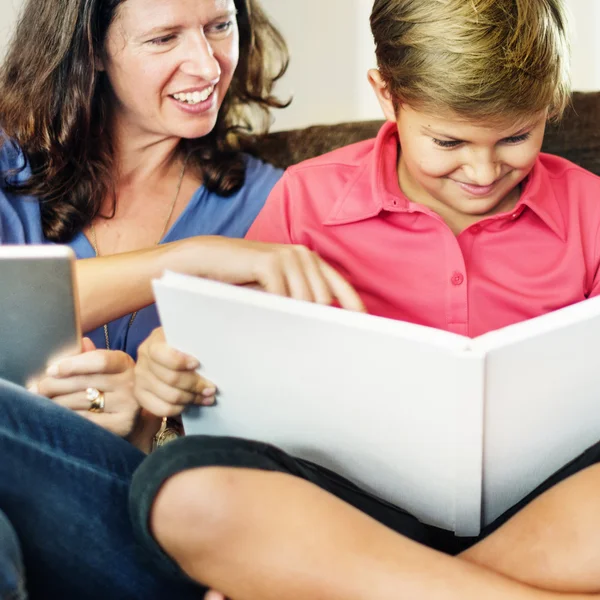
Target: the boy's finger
pixel 170 358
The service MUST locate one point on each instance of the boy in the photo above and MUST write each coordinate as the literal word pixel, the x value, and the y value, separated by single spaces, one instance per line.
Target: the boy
pixel 451 218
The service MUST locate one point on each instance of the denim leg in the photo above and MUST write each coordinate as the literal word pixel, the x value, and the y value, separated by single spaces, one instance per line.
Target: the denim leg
pixel 64 484
pixel 12 572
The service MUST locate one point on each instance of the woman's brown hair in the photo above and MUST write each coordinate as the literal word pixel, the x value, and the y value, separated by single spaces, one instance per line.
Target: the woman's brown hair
pixel 53 104
pixel 486 60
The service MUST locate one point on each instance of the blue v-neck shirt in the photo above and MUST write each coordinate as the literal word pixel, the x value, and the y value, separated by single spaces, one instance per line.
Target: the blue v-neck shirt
pixel 207 213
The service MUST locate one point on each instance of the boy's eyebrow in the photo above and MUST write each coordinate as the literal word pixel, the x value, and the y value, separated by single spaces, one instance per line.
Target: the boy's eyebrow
pixel 427 129
pixel 172 26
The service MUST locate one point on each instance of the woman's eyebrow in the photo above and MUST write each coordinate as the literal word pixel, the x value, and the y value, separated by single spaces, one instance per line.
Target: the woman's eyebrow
pixel 158 29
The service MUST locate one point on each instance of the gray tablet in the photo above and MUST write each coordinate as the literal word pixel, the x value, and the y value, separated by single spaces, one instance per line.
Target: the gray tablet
pixel 39 319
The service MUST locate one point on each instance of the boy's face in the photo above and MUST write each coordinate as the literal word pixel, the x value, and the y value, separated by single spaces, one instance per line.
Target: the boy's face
pixel 461 170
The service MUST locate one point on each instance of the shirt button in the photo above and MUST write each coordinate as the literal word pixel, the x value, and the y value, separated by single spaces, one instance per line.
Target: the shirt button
pixel 515 215
pixel 476 229
pixel 457 278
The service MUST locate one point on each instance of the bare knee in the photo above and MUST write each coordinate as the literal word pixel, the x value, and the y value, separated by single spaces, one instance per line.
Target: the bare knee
pixel 194 511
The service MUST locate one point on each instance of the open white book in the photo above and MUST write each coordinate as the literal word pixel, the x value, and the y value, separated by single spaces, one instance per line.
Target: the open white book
pixel 454 430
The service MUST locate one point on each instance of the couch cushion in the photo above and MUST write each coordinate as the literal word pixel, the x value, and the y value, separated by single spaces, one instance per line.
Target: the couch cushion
pixel 576 137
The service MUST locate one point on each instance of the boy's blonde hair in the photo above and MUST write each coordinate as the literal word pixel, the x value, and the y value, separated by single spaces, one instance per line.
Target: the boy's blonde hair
pixel 481 60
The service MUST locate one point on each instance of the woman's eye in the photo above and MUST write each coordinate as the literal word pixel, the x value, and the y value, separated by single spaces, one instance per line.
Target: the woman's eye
pixel 446 143
pixel 223 27
pixel 161 41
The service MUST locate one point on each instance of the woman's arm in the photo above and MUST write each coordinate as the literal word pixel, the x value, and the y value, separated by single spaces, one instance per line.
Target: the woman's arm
pixel 112 286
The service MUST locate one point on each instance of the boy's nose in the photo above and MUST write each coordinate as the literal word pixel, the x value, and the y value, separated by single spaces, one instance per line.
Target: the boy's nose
pixel 484 171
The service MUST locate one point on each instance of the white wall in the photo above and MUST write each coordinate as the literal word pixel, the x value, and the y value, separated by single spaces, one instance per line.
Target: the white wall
pixel 8 15
pixel 332 50
pixel 585 67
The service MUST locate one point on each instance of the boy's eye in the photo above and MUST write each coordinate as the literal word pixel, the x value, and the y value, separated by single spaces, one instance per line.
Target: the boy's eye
pixel 446 143
pixel 161 41
pixel 516 139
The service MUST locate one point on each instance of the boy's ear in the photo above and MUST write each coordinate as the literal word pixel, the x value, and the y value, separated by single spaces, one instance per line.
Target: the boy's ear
pixel 383 95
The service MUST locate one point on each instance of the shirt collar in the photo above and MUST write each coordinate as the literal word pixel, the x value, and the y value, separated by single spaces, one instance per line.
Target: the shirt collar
pixel 538 195
pixel 375 188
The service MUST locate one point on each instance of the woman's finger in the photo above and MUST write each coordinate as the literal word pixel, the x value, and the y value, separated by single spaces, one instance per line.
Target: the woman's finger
pixel 269 276
pixel 77 401
pixel 294 270
pixel 321 291
pixel 346 295
pixel 51 387
pixel 92 362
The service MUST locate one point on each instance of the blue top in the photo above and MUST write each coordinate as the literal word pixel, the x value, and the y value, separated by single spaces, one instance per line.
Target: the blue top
pixel 20 221
pixel 207 213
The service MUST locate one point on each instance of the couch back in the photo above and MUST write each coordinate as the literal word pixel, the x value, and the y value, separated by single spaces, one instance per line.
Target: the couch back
pixel 576 137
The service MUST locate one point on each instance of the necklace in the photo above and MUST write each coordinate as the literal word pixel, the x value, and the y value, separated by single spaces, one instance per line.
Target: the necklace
pixel 162 233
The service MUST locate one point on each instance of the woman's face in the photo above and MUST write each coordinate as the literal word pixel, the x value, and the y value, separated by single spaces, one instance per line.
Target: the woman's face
pixel 170 63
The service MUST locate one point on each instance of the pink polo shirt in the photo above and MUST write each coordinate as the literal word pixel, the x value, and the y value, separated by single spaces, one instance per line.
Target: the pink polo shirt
pixel 406 263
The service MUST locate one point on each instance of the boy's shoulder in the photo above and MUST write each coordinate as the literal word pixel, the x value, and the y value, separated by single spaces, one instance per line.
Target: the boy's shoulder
pixel 346 158
pixel 562 171
pixel 327 181
pixel 566 193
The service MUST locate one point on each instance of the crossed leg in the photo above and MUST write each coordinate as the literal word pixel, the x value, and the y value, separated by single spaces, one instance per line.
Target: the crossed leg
pixel 262 535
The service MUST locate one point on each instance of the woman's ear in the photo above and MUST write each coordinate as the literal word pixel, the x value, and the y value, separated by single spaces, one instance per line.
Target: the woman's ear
pixel 383 94
pixel 99 63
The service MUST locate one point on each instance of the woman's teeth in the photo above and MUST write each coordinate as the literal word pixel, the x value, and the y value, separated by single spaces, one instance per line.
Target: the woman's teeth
pixel 195 97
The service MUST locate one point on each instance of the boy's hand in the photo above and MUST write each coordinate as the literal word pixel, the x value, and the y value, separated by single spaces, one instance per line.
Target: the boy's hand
pixel 166 380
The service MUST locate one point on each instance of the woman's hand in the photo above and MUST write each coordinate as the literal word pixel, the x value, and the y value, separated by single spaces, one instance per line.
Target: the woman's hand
pixel 110 372
pixel 166 380
pixel 284 269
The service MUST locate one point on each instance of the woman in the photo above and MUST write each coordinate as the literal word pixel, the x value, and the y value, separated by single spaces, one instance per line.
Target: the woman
pixel 121 120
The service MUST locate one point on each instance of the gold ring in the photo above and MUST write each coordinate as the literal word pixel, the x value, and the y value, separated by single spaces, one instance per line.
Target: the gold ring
pixel 96 399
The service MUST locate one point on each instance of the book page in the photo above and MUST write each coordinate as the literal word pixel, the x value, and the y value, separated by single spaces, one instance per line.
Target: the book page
pixel 350 392
pixel 541 402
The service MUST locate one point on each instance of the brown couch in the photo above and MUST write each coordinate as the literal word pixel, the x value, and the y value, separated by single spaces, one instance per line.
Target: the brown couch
pixel 576 137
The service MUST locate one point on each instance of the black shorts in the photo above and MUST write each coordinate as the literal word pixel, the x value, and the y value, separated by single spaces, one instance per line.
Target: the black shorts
pixel 204 451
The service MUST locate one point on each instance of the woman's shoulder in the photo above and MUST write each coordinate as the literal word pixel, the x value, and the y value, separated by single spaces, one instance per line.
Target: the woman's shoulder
pixel 210 213
pixel 20 220
pixel 12 160
pixel 260 174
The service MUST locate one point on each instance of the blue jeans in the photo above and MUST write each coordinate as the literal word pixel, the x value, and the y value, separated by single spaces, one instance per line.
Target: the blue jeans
pixel 64 485
pixel 12 571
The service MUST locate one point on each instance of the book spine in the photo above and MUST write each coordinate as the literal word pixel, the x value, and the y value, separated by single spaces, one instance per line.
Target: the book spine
pixel 470 389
